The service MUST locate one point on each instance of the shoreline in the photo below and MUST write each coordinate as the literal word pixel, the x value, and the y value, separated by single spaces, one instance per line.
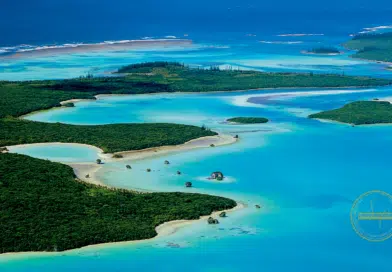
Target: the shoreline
pixel 385 99
pixel 81 169
pixel 330 121
pixel 304 52
pixel 162 230
pixel 251 100
pixel 373 61
pixel 98 96
pixel 202 142
pixel 363 59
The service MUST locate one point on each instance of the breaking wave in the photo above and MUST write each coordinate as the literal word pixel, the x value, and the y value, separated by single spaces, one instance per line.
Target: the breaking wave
pixel 114 44
pixel 282 42
pixel 298 35
pixel 375 29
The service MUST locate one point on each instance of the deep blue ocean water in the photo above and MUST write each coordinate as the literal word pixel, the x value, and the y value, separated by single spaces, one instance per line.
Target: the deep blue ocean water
pixel 305 173
pixel 42 21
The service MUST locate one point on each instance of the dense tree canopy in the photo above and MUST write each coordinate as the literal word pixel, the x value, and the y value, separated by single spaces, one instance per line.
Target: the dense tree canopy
pixel 110 138
pixel 324 50
pixel 43 208
pixel 359 113
pixel 374 46
pixel 248 120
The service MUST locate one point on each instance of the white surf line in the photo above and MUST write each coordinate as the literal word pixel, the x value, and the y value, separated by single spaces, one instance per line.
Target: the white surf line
pixel 242 100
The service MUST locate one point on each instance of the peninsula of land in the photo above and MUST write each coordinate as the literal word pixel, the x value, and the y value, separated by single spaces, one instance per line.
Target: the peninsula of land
pixel 359 113
pixel 44 208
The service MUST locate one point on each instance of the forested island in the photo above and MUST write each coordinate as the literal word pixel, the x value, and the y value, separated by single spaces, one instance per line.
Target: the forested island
pixel 248 120
pixel 372 46
pixel 323 51
pixel 359 113
pixel 43 208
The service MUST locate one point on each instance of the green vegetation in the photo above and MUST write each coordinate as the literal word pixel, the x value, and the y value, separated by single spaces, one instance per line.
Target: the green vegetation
pixel 323 50
pixel 373 46
pixel 43 208
pixel 110 138
pixel 359 113
pixel 248 120
pixel 145 67
pixel 18 98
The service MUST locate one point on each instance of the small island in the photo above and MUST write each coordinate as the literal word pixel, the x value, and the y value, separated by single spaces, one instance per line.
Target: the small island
pixel 329 51
pixel 248 120
pixel 359 113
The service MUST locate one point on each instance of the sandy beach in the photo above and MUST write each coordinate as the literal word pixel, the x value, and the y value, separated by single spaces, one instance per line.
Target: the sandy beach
pixel 386 99
pixel 321 54
pixel 62 103
pixel 204 142
pixel 257 100
pixel 82 169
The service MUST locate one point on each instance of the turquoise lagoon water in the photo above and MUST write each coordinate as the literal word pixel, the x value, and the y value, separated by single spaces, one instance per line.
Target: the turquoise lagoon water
pixel 305 173
pixel 58 152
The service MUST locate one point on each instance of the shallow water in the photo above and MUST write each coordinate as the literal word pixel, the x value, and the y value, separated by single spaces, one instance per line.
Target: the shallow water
pixel 305 174
pixel 58 152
